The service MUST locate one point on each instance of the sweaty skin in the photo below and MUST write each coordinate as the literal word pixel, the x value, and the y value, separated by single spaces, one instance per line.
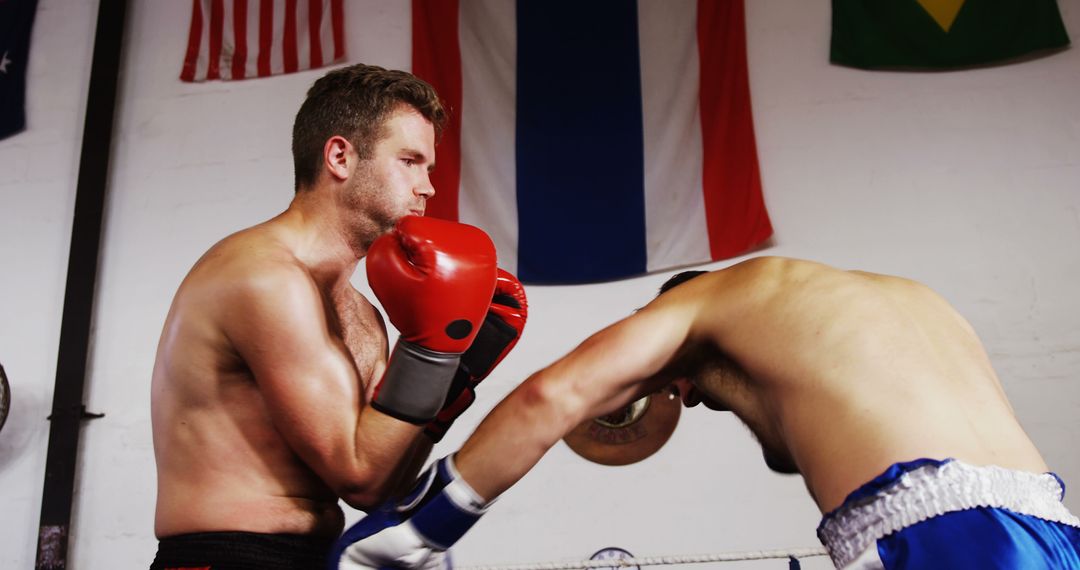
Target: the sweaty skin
pixel 268 357
pixel 839 374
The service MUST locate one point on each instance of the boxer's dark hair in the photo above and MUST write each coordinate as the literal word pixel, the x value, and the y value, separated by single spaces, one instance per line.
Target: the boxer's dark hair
pixel 678 279
pixel 354 102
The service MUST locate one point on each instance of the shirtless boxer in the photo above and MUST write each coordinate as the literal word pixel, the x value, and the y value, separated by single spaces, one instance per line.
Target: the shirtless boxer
pixel 815 361
pixel 273 392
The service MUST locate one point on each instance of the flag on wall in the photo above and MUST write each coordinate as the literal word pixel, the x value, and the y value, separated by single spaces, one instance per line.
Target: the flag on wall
pixel 941 33
pixel 594 140
pixel 16 21
pixel 238 39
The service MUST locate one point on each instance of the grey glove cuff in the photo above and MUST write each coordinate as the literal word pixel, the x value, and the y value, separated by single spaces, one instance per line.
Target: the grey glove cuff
pixel 414 386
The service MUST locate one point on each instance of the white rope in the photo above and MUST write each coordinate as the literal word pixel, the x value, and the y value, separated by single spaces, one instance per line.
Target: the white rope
pixel 661 560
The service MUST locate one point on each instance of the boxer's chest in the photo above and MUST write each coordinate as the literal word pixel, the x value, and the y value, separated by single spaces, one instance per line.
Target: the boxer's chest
pixel 362 332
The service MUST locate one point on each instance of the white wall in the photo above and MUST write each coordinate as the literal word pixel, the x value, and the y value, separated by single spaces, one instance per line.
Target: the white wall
pixel 37 197
pixel 968 181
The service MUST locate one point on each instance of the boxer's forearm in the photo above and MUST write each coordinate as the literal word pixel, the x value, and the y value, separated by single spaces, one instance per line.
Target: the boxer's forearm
pixel 607 371
pixel 530 421
pixel 410 467
pixel 515 435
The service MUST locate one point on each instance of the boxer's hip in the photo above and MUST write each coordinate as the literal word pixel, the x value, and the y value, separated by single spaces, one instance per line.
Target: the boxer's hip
pixel 235 550
pixel 947 514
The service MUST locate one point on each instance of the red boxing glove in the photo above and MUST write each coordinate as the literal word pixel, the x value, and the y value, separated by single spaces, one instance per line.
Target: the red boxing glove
pixel 434 279
pixel 500 332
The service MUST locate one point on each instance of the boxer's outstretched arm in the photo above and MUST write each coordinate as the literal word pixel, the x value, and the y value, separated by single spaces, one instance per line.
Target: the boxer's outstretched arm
pixel 607 371
pixel 612 368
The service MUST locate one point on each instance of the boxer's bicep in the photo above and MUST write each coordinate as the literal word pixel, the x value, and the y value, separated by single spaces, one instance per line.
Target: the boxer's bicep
pixel 309 382
pixel 622 362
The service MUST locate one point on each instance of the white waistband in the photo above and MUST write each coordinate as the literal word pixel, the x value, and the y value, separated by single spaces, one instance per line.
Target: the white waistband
pixel 931 490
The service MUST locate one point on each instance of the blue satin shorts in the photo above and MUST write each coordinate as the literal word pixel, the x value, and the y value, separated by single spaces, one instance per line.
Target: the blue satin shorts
pixel 948 514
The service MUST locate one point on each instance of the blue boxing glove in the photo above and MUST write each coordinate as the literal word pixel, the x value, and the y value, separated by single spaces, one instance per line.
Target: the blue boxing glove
pixel 416 532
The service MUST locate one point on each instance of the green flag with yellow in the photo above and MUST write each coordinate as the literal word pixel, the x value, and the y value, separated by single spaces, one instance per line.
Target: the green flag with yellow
pixel 941 33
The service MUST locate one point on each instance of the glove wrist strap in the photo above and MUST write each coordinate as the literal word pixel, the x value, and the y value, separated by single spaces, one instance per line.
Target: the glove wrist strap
pixel 414 386
pixel 447 516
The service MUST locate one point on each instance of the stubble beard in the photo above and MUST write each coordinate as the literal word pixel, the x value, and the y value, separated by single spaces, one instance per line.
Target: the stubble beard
pixel 368 213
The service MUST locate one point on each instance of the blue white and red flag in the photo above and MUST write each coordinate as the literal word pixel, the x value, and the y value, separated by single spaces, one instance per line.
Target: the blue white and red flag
pixel 595 140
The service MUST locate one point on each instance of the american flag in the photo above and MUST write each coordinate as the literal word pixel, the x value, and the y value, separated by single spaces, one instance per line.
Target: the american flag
pixel 238 39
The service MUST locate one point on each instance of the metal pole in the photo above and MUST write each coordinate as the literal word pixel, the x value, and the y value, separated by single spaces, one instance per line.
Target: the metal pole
pixel 68 410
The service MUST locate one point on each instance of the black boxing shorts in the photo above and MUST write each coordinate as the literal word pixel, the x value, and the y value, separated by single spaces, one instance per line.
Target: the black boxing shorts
pixel 240 551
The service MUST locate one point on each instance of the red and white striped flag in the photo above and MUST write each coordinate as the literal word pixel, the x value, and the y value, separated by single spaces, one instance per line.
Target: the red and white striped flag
pixel 237 39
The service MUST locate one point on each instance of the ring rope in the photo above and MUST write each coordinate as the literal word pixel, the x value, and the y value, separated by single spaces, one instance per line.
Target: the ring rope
pixel 662 560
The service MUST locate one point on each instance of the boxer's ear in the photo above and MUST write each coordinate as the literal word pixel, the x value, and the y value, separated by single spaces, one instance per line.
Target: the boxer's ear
pixel 338 152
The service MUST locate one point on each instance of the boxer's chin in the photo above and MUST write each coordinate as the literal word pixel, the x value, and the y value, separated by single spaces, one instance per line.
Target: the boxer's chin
pixel 713 404
pixel 779 464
